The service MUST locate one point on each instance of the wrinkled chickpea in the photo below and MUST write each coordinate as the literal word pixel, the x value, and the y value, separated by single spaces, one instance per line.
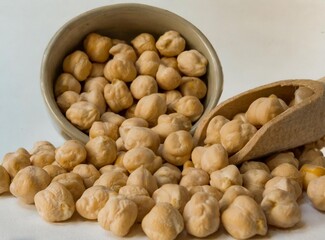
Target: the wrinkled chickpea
pixel 42 154
pixel 167 173
pixel 4 180
pixel 189 106
pixel 148 63
pixel 107 129
pixel 279 158
pixel 194 177
pixel 108 168
pixel 97 70
pixel 113 180
pixel 193 86
pixel 88 173
pixel 212 191
pixel 78 64
pixel 170 44
pixel 214 157
pixel 95 83
pixel 123 51
pixel 73 182
pixel 310 172
pixel 213 129
pixel 112 118
pixel 97 47
pixel 289 171
pixel 143 85
pixel 192 63
pixel 171 97
pixel 13 162
pixel 285 184
pixel 170 62
pixel 54 170
pixel 315 192
pixel 168 78
pixel 248 165
pixel 231 194
pixel 226 177
pixel 66 82
pixel 95 97
pixel 120 68
pixel 66 99
pixel 144 42
pixel 312 156
pixel 301 94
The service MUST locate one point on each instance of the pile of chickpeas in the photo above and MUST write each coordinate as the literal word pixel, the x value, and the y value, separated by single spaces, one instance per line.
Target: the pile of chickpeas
pixel 144 167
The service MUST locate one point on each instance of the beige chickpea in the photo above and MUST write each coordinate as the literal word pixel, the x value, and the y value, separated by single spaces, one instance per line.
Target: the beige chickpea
pixel 107 129
pixel 212 191
pixel 123 51
pixel 113 180
pixel 78 64
pixel 189 106
pixel 167 173
pixel 240 116
pixel 248 165
pixel 119 159
pixel 42 154
pixel 171 98
pixel 174 194
pixel 264 109
pixel 213 129
pixel 301 94
pixel 150 108
pixel 141 137
pixel 97 70
pixel 143 178
pixel 55 203
pixel 118 96
pixel 168 78
pixel 144 42
pixel 143 85
pixel 66 82
pixel 281 209
pixel 178 147
pixel 169 62
pixel 97 47
pixel 119 68
pixel 312 156
pixel 188 164
pixel 310 172
pixel 66 99
pixel 163 222
pixel 226 177
pixel 201 215
pixel 4 180
pixel 194 177
pixel 13 162
pixel 54 170
pixel 120 145
pixel 289 171
pixel 108 168
pixel 148 63
pixel 83 114
pixel 95 97
pixel 138 156
pixel 196 156
pixel 95 84
pixel 235 134
pixel 285 184
pixel 113 118
pixel 93 200
pixel 193 86
pixel 28 182
pixel 214 157
pixel 70 154
pixel 130 112
pixel 192 63
pixel 170 44
pixel 88 173
pixel 244 218
pixel 279 158
pixel 315 193
pixel 101 151
pixel 168 123
pixel 73 182
pixel 231 194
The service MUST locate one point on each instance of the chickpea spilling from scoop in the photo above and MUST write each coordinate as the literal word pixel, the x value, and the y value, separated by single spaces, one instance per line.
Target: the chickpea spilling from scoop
pixel 143 167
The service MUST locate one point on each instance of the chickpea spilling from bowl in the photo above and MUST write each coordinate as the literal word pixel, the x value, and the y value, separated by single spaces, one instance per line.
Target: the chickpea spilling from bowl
pixel 147 78
pixel 129 173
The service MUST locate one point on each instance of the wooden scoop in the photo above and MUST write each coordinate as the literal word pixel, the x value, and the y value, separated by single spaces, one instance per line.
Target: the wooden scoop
pixel 300 124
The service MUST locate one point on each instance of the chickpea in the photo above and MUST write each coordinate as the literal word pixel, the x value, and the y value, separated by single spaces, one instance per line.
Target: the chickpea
pixel 66 99
pixel 248 165
pixel 315 192
pixel 310 172
pixel 263 109
pixel 4 180
pixel 194 177
pixel 177 147
pixel 66 82
pixel 170 62
pixel 189 106
pixel 170 44
pixel 107 129
pixel 150 108
pixel 117 95
pixel 285 184
pixel 193 86
pixel 226 177
pixel 312 156
pixel 97 47
pixel 144 42
pixel 78 64
pixel 42 154
pixel 281 209
pixel 231 194
pixel 138 156
pixel 192 63
pixel 163 222
pixel 171 98
pixel 196 156
pixel 301 94
pixel 244 218
pixel 212 191
pixel 83 114
pixel 143 85
pixel 13 162
pixel 119 160
pixel 168 78
pixel 167 173
pixel 240 116
pixel 55 203
pixel 113 118
pixel 88 173
pixel 118 215
pixel 54 170
pixel 289 171
pixel 143 178
pixel 201 215
pixel 70 154
pixel 213 129
pixel 93 200
pixel 95 97
pixel 123 51
pixel 109 168
pixel 279 158
pixel 97 70
pixel 148 63
pixel 120 146
pixel 73 182
pixel 119 68
pixel 113 180
pixel 174 194
pixel 28 182
pixel 214 157
pixel 235 134
pixel 130 112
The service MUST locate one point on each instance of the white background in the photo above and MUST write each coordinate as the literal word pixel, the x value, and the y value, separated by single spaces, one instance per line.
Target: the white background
pixel 257 41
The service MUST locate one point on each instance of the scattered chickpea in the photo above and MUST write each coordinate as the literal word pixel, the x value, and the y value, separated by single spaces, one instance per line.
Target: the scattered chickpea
pixel 78 64
pixel 248 165
pixel 148 63
pixel 113 180
pixel 279 158
pixel 13 162
pixel 42 154
pixel 4 180
pixel 231 194
pixel 312 156
pixel 285 184
pixel 192 63
pixel 315 192
pixel 143 85
pixel 66 82
pixel 88 173
pixel 167 173
pixel 97 47
pixel 226 177
pixel 289 171
pixel 66 99
pixel 120 68
pixel 170 44
pixel 54 170
pixel 144 42
pixel 310 172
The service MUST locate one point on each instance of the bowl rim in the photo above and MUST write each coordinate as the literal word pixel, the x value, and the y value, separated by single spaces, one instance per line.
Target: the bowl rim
pixel 67 129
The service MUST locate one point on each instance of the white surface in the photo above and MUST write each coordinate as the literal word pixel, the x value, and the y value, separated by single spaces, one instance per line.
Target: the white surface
pixel 257 41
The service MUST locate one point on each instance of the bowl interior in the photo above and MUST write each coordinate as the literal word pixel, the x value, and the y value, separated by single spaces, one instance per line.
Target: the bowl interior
pixel 122 21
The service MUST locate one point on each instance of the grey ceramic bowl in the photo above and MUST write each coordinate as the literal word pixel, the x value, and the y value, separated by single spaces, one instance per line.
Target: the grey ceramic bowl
pixel 122 21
